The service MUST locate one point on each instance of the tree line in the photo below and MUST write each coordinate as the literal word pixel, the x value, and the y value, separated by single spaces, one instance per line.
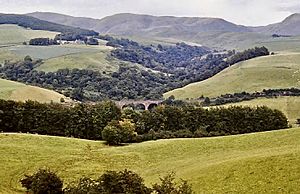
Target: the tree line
pixel 244 96
pixel 111 182
pixel 106 121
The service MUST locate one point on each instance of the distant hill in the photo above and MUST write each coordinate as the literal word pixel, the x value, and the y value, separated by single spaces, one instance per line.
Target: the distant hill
pixel 10 90
pixel 211 32
pixel 128 24
pixel 80 22
pixel 37 24
pixel 289 26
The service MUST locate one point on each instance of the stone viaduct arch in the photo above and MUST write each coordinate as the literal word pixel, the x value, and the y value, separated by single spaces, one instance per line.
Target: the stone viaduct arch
pixel 138 104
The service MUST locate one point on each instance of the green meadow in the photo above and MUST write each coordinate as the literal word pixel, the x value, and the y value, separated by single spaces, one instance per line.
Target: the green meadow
pixel 253 163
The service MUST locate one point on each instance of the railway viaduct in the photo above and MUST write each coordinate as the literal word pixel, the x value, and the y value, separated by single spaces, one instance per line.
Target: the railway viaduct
pixel 138 104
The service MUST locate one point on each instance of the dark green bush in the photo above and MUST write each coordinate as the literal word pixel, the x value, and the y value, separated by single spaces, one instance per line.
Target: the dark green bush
pixel 43 181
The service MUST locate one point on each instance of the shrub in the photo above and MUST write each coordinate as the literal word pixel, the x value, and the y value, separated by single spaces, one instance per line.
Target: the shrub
pixel 43 181
pixel 111 182
pixel 117 132
pixel 168 186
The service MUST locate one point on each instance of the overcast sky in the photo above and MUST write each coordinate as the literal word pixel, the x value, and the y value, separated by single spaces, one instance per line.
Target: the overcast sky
pixel 246 12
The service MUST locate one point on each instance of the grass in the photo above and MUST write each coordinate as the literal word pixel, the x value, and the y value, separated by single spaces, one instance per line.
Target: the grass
pixel 277 71
pixel 254 163
pixel 91 60
pixel 13 34
pixel 290 106
pixel 47 52
pixel 10 90
pixel 288 44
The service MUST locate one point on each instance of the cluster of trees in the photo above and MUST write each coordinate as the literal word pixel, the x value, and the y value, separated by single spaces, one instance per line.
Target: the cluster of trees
pixel 106 121
pixel 80 121
pixel 37 24
pixel 89 85
pixel 185 63
pixel 111 182
pixel 243 96
pixel 47 41
pixel 42 42
pixel 90 40
pixel 248 54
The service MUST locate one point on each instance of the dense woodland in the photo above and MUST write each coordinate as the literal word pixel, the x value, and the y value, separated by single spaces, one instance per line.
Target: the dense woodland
pixel 106 121
pixel 169 67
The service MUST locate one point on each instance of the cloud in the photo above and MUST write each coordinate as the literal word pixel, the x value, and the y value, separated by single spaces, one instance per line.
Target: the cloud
pixel 247 12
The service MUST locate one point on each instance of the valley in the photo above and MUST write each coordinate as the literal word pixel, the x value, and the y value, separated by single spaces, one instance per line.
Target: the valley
pixel 62 78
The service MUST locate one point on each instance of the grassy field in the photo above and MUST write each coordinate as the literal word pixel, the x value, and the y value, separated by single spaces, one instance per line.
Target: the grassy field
pixel 91 60
pixel 47 52
pixel 285 45
pixel 290 106
pixel 13 34
pixel 277 71
pixel 254 163
pixel 10 90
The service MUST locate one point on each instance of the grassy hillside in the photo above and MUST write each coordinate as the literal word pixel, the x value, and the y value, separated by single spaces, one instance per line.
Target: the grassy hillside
pixel 47 52
pixel 10 90
pixel 290 106
pixel 255 163
pixel 285 45
pixel 93 60
pixel 278 71
pixel 13 34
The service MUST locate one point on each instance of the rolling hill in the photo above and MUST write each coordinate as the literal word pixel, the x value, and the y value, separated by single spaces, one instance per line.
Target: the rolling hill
pixel 211 32
pixel 12 34
pixel 10 90
pixel 37 24
pixel 270 72
pixel 289 26
pixel 254 163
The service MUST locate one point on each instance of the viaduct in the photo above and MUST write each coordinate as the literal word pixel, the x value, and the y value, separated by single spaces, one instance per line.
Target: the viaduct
pixel 138 104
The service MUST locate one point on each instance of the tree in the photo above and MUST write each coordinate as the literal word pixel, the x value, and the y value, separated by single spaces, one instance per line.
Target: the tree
pixel 111 182
pixel 111 135
pixel 117 132
pixel 42 182
pixel 168 186
pixel 123 182
pixel 28 59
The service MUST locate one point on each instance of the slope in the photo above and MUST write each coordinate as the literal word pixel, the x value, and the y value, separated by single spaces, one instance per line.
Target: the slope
pixel 37 24
pixel 13 34
pixel 270 72
pixel 289 26
pixel 253 163
pixel 10 90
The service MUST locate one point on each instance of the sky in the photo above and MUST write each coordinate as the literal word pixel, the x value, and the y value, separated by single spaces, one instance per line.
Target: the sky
pixel 245 12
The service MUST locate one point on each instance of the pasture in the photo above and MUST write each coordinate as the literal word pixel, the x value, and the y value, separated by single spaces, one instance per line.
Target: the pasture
pixel 10 90
pixel 13 34
pixel 254 163
pixel 269 72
